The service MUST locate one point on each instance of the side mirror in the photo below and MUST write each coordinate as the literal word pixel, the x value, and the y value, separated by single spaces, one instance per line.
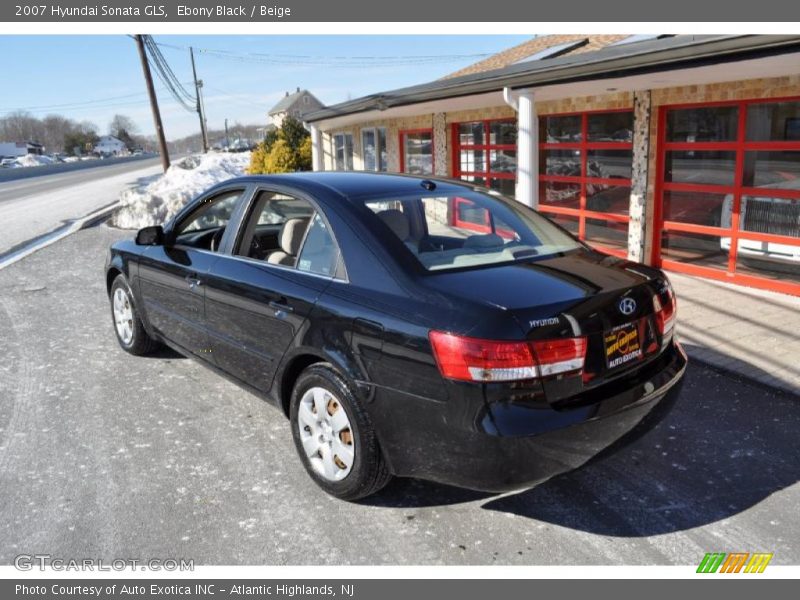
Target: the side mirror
pixel 150 236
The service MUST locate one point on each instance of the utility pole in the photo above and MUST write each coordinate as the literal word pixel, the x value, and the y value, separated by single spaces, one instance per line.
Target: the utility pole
pixel 151 91
pixel 198 85
pixel 227 143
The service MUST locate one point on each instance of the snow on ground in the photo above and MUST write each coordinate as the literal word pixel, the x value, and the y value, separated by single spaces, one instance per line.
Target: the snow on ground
pixel 155 201
pixel 33 160
pixel 38 205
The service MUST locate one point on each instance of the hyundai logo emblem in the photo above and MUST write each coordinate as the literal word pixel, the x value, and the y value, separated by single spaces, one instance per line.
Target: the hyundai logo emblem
pixel 627 306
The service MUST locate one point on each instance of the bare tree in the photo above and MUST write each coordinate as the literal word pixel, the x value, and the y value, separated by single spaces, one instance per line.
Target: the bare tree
pixel 123 128
pixel 121 125
pixel 21 126
pixel 55 129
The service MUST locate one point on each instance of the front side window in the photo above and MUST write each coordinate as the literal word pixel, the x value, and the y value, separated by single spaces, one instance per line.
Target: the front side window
pixel 469 230
pixel 343 151
pixel 205 226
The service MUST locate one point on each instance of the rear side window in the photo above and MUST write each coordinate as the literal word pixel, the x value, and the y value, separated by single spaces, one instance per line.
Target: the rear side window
pixel 275 229
pixel 470 229
pixel 319 254
pixel 289 232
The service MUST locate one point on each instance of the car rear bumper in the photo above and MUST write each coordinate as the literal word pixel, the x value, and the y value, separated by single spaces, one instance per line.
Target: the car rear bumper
pixel 503 446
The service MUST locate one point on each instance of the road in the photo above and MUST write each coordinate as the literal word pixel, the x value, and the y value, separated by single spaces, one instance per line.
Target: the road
pixel 103 454
pixel 67 167
pixel 36 206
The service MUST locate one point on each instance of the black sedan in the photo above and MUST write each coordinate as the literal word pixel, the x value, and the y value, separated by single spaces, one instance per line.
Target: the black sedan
pixel 406 326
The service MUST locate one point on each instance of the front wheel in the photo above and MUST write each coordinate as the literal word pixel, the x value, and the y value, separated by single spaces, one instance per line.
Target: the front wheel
pixel 131 334
pixel 334 436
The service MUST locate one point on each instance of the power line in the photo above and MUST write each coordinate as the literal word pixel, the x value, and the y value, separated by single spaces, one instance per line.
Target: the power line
pixel 95 103
pixel 73 104
pixel 160 58
pixel 166 75
pixel 330 61
pixel 240 101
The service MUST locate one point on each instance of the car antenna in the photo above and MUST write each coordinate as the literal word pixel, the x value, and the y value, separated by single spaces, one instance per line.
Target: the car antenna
pixel 428 184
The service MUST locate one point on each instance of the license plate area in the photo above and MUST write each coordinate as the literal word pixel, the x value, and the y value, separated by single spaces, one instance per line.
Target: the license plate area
pixel 623 345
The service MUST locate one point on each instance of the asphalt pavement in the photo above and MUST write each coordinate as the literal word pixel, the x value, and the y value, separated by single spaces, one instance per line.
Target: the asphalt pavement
pixel 107 455
pixel 62 168
pixel 47 182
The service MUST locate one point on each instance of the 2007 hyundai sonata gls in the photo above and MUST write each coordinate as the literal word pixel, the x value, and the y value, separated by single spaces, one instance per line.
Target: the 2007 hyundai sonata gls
pixel 406 326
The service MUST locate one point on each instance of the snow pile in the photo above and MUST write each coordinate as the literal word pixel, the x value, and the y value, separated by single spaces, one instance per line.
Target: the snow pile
pixel 156 200
pixel 33 160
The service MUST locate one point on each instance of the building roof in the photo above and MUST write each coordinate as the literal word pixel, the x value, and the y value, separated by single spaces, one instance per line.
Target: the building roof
pixel 590 43
pixel 613 60
pixel 285 103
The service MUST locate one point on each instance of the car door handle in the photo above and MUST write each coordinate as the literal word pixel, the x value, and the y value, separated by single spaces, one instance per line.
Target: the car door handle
pixel 280 305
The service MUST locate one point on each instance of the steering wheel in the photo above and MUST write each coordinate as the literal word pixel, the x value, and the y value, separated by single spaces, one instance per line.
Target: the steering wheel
pixel 216 239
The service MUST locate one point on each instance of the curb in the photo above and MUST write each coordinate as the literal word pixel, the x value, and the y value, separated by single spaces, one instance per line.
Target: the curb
pixel 20 251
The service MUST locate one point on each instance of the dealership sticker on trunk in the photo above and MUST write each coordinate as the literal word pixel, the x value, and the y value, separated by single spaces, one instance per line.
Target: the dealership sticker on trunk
pixel 623 345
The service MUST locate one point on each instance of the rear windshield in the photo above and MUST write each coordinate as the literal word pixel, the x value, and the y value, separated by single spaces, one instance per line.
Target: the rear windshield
pixel 469 229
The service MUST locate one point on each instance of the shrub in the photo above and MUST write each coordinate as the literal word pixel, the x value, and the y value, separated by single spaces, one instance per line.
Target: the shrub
pixel 285 150
pixel 281 158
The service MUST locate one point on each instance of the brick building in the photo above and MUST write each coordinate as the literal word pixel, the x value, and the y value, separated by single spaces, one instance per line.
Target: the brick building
pixel 678 151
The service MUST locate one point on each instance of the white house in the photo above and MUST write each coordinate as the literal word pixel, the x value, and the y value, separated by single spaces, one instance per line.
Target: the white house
pixel 14 149
pixel 110 146
pixel 295 105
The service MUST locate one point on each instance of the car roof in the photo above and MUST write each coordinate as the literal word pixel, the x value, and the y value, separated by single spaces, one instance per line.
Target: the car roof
pixel 354 185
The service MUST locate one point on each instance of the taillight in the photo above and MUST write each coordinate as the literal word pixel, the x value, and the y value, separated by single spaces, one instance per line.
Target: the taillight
pixel 560 356
pixel 474 359
pixel 665 312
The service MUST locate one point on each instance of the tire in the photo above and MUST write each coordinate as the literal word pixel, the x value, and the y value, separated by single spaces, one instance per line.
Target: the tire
pixel 356 474
pixel 130 332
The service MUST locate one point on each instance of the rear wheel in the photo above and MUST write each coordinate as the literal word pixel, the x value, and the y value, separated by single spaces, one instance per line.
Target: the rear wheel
pixel 131 334
pixel 334 436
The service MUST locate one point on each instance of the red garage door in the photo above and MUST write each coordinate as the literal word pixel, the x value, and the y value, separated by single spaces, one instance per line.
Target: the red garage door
pixel 585 162
pixel 728 193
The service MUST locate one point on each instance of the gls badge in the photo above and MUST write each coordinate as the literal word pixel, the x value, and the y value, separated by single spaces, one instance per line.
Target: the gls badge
pixel 627 306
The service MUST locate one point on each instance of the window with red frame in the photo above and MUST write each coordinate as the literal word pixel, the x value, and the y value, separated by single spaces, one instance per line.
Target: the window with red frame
pixel 585 163
pixel 485 152
pixel 728 197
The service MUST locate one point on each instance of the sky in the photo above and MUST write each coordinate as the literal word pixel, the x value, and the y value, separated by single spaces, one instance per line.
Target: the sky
pixel 91 77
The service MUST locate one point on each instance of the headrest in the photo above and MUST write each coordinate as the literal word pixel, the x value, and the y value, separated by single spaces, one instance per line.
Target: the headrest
pixel 396 221
pixel 292 235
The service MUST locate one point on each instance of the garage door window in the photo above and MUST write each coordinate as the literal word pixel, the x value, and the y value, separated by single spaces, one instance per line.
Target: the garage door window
pixel 728 203
pixel 486 153
pixel 585 163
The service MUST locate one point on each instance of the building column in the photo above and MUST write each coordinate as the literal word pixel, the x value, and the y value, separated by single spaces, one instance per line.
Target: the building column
pixel 527 145
pixel 317 157
pixel 639 217
pixel 440 164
